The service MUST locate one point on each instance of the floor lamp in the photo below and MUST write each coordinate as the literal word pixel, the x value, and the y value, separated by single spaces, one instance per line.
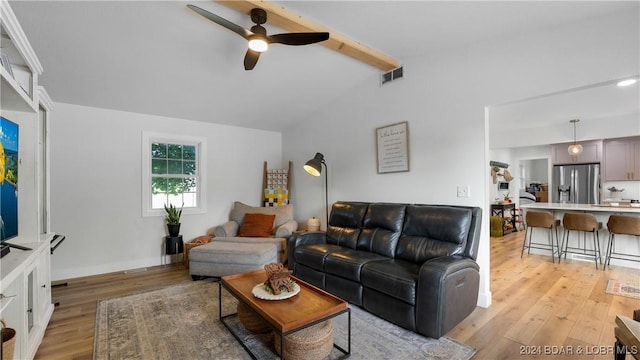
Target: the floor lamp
pixel 314 167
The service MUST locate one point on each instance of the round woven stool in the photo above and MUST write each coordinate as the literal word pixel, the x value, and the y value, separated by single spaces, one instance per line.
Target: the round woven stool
pixel 314 342
pixel 251 321
pixel 8 341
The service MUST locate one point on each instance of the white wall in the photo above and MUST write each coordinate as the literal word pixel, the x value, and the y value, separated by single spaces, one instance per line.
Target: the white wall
pixel 443 97
pixel 96 198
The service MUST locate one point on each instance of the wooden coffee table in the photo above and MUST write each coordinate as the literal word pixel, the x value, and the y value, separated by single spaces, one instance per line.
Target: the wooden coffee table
pixel 309 307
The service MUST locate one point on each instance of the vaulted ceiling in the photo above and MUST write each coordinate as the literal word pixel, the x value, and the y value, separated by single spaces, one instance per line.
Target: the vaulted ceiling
pixel 160 58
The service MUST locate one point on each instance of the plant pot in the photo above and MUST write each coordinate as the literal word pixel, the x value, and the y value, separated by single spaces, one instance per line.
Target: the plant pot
pixel 174 229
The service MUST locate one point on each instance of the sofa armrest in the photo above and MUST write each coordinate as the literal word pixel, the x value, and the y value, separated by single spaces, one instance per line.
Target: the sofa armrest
pixel 285 230
pixel 300 238
pixel 447 293
pixel 228 229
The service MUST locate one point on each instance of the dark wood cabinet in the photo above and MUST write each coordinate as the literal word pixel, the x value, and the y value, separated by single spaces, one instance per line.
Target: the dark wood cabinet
pixel 507 213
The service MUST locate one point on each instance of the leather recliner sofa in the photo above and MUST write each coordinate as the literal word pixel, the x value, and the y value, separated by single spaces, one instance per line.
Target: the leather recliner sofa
pixel 413 265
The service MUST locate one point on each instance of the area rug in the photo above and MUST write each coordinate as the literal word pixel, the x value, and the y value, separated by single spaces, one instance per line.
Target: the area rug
pixel 181 322
pixel 628 290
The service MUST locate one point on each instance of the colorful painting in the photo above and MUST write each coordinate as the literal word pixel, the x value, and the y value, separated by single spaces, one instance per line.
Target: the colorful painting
pixel 8 179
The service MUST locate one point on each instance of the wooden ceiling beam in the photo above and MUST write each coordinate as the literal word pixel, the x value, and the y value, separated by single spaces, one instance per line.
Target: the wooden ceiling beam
pixel 289 21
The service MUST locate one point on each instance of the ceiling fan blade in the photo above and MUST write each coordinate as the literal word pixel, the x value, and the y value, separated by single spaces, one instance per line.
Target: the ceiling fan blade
pixel 298 38
pixel 250 59
pixel 222 21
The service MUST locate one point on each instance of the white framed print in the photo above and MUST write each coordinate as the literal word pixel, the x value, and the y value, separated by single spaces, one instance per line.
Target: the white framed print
pixel 392 145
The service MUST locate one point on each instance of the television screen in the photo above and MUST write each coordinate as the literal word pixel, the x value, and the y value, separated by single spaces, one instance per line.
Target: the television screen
pixel 8 179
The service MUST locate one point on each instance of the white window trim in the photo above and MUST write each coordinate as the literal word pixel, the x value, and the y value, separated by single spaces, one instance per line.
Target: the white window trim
pixel 148 138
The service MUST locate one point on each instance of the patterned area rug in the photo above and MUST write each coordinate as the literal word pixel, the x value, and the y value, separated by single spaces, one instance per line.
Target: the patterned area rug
pixel 628 290
pixel 181 322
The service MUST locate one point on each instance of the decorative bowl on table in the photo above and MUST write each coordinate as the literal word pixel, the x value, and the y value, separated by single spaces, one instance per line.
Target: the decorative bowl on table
pixel 260 292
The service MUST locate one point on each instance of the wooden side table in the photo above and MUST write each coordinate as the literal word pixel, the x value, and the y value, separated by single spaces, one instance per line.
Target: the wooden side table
pixel 502 210
pixel 200 240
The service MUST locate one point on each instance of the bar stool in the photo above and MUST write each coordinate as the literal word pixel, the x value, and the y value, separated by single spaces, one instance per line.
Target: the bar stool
pixel 545 220
pixel 621 225
pixel 585 223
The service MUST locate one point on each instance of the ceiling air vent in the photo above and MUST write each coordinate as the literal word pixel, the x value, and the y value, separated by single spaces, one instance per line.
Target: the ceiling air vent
pixel 391 75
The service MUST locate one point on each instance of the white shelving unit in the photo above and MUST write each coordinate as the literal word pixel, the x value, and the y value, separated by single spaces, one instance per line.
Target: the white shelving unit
pixel 25 276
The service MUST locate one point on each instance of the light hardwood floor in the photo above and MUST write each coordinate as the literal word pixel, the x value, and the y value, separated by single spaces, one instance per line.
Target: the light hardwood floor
pixel 538 307
pixel 546 310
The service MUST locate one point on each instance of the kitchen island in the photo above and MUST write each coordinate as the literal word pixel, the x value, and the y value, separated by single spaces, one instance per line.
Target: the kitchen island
pixel 595 209
pixel 624 243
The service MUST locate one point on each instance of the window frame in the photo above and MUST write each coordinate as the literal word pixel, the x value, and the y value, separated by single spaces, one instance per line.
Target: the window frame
pixel 149 138
pixel 43 160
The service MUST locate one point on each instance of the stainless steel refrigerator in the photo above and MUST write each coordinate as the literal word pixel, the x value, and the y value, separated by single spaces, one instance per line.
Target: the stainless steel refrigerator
pixel 576 184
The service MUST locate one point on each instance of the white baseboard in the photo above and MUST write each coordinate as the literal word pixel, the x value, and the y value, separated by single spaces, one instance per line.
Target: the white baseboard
pixel 484 299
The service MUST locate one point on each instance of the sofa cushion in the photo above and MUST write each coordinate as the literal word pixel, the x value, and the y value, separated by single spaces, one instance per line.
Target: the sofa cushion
pixel 279 243
pixel 313 255
pixel 382 226
pixel 393 277
pixel 345 223
pixel 282 213
pixel 347 263
pixel 432 231
pixel 256 225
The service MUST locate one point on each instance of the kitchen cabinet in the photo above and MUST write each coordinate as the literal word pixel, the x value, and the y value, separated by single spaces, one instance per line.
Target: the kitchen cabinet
pixel 591 153
pixel 622 159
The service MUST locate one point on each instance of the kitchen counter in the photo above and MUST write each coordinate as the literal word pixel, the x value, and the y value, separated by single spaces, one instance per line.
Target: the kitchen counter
pixel 583 207
pixel 624 243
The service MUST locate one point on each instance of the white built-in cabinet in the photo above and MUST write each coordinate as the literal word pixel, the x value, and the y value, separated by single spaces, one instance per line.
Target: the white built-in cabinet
pixel 622 159
pixel 25 276
pixel 591 153
pixel 26 296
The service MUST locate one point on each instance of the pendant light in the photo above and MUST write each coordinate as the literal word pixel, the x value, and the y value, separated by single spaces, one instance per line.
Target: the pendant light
pixel 574 149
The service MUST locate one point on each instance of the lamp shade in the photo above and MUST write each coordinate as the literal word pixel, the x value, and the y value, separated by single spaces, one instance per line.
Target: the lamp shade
pixel 575 149
pixel 314 166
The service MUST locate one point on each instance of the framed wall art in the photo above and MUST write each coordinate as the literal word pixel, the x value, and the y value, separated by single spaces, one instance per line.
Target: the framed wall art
pixel 392 145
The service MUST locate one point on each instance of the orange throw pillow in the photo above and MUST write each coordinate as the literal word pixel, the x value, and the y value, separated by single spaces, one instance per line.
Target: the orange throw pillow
pixel 256 225
pixel 202 239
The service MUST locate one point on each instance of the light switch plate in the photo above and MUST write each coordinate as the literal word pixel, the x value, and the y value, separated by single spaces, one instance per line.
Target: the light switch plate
pixel 464 191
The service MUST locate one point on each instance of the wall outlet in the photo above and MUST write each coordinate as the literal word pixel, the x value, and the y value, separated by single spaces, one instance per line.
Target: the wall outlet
pixel 464 191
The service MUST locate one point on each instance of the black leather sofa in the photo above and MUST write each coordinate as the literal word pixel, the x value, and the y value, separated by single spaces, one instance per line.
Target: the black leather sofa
pixel 413 265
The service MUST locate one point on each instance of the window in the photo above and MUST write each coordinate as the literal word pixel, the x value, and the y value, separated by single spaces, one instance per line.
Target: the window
pixel 173 173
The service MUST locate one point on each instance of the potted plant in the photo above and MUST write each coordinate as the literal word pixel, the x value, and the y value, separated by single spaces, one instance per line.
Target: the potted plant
pixel 173 219
pixel 506 198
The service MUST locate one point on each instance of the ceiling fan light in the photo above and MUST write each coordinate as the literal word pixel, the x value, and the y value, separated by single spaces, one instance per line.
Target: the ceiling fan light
pixel 258 44
pixel 627 82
